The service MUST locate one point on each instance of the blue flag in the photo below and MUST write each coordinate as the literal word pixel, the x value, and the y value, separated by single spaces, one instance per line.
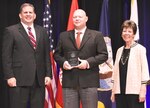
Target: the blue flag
pixel 104 19
pixel 104 92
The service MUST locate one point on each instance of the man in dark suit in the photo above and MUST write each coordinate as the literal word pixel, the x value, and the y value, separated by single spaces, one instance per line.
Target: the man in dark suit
pixel 26 61
pixel 80 81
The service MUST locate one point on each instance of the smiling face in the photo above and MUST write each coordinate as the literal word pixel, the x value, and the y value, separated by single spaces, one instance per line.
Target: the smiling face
pixel 129 29
pixel 27 15
pixel 128 34
pixel 79 19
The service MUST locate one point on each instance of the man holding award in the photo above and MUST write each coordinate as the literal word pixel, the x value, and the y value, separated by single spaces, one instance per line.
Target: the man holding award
pixel 79 53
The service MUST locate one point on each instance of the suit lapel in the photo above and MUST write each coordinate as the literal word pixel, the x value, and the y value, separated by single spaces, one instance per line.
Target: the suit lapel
pixel 86 37
pixel 72 37
pixel 24 34
pixel 37 31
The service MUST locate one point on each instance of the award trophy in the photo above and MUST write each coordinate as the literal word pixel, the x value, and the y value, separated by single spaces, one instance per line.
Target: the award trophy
pixel 72 58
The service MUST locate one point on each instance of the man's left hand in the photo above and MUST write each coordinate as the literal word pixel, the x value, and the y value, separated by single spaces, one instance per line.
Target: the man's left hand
pixel 83 64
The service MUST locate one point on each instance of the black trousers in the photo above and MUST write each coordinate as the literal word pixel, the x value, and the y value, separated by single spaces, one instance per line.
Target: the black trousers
pixel 27 96
pixel 128 101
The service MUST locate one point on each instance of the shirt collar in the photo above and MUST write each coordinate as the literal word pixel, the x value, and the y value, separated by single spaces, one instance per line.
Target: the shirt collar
pixel 82 31
pixel 26 26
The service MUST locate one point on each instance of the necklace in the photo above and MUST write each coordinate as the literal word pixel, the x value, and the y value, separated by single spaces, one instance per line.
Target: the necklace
pixel 126 53
pixel 125 56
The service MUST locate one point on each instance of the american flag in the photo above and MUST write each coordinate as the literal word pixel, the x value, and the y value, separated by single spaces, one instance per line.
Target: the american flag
pixel 50 91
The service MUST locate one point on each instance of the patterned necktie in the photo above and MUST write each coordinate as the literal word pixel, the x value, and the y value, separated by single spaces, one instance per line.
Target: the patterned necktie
pixel 32 38
pixel 78 40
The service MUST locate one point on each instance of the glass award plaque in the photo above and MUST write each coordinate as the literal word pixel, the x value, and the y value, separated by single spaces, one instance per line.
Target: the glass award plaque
pixel 72 58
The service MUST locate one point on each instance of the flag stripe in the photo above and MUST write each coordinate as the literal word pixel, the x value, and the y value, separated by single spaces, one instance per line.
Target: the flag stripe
pixel 51 96
pixel 59 100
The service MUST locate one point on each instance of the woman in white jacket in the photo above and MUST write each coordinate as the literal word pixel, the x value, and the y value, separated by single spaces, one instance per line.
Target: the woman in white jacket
pixel 130 72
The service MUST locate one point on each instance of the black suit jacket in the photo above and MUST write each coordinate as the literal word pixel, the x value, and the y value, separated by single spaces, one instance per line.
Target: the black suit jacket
pixel 93 49
pixel 19 58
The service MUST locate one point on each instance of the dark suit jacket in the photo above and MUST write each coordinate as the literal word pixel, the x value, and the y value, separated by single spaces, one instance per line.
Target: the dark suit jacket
pixel 19 58
pixel 93 49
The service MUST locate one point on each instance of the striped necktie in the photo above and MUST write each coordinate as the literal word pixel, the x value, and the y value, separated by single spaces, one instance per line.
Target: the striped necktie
pixel 31 37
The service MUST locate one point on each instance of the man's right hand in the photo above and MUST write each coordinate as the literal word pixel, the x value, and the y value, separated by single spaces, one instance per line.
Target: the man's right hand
pixel 67 66
pixel 11 82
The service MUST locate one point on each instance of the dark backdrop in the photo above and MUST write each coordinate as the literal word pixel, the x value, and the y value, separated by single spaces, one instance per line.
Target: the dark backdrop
pixel 60 11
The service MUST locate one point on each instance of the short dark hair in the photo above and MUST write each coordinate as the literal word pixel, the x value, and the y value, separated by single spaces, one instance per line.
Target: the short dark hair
pixel 26 4
pixel 129 24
